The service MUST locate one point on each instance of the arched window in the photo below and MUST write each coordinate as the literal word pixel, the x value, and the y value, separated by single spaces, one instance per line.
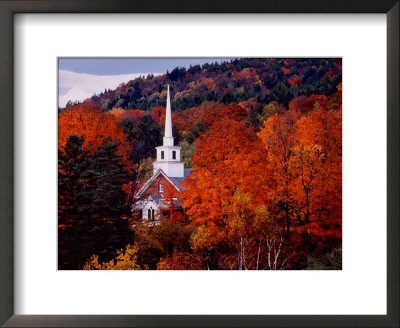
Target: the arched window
pixel 149 213
pixel 152 214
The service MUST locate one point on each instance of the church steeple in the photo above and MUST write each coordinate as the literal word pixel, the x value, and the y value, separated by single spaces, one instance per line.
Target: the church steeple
pixel 168 155
pixel 168 139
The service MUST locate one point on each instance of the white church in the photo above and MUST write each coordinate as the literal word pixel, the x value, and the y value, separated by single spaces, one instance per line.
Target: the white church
pixel 168 173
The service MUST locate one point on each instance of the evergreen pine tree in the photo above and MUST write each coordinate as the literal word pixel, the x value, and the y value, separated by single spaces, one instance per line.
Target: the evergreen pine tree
pixel 73 164
pixel 93 214
pixel 108 206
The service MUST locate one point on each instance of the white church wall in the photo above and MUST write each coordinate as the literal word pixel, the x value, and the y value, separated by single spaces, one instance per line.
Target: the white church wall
pixel 168 153
pixel 174 170
pixel 172 167
pixel 150 205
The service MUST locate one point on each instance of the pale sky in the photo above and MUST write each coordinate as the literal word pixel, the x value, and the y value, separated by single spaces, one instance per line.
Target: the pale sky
pixel 80 78
pixel 79 86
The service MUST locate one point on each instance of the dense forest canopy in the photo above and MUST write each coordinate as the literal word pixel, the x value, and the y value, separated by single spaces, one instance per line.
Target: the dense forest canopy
pixel 264 137
pixel 261 79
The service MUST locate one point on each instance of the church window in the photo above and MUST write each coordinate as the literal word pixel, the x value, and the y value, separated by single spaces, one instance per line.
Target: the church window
pixel 161 187
pixel 162 154
pixel 152 214
pixel 173 154
pixel 149 213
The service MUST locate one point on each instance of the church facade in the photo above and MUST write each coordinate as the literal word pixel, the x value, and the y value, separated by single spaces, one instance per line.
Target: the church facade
pixel 168 173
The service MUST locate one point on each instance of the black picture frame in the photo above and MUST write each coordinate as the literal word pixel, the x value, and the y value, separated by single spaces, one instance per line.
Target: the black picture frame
pixel 10 7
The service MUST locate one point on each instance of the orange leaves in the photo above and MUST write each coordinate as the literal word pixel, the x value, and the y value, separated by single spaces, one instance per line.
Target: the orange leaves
pixel 285 70
pixel 305 104
pixel 278 136
pixel 209 113
pixel 304 147
pixel 228 157
pixel 158 114
pixel 181 260
pixel 317 101
pixel 208 83
pixel 203 199
pixel 322 130
pixel 94 124
pixel 294 80
pixel 174 212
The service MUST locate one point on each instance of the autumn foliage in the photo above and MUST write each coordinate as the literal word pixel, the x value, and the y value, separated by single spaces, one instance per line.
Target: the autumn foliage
pixel 265 140
pixel 286 177
pixel 92 123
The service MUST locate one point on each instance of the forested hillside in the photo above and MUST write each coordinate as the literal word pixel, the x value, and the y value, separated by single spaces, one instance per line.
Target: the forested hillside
pixel 263 80
pixel 265 139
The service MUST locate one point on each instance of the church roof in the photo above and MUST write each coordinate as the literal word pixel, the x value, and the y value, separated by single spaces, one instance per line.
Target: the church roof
pixel 155 175
pixel 168 143
pixel 158 199
pixel 177 181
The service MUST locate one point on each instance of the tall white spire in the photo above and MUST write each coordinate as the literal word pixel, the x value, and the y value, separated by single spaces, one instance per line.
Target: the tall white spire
pixel 168 155
pixel 168 139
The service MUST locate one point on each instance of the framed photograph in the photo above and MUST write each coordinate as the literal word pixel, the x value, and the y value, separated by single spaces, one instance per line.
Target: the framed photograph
pixel 199 164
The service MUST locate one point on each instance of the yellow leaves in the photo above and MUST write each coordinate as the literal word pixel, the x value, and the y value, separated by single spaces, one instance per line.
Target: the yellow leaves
pixel 125 260
pixel 201 239
pixel 181 94
pixel 92 263
pixel 308 156
pixel 237 211
pixel 271 109
pixel 204 82
pixel 163 94
pixel 117 111
pixel 145 168
pixel 262 219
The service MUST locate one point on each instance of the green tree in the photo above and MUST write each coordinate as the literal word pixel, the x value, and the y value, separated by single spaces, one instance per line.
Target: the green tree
pixel 187 150
pixel 108 206
pixel 93 215
pixel 143 135
pixel 73 164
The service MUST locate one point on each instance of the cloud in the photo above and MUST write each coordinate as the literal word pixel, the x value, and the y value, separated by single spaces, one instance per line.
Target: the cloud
pixel 79 86
pixel 73 94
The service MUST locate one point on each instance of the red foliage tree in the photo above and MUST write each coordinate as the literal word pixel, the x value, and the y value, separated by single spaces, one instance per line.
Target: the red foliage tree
pixel 228 157
pixel 94 124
